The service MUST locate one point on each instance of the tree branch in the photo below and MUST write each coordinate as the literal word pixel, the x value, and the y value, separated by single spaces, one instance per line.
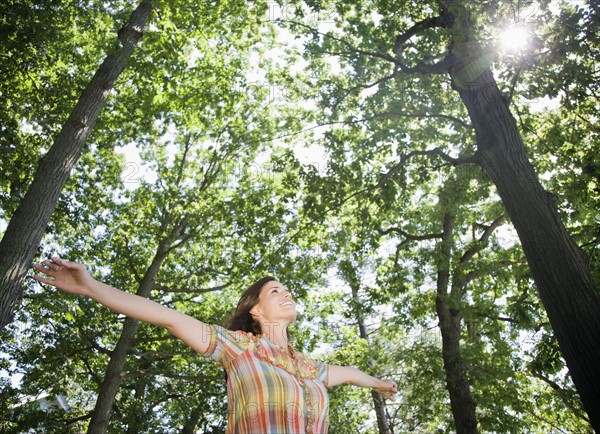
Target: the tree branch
pixel 440 67
pixel 513 84
pixel 186 146
pixel 418 27
pixel 425 67
pixel 164 288
pixel 409 237
pixel 77 419
pixel 95 376
pixel 438 115
pixel 130 262
pixel 93 343
pixel 402 114
pixel 480 244
pixel 352 50
pixel 535 327
pixel 367 86
pixel 472 275
pixel 432 152
pixel 460 280
pixel 166 398
pixel 562 394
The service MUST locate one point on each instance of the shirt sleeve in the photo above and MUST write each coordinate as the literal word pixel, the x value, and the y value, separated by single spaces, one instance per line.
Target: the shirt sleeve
pixel 225 345
pixel 322 371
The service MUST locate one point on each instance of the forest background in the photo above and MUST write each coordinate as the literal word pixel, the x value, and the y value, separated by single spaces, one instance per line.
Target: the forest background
pixel 423 176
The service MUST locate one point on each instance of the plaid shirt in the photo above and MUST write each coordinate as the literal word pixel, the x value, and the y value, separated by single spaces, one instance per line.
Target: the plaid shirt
pixel 270 391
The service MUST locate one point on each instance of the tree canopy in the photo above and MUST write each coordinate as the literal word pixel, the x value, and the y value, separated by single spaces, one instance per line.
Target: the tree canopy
pixel 400 166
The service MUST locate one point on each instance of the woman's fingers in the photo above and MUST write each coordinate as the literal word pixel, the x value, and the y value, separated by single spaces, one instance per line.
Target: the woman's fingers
pixel 55 263
pixel 49 269
pixel 389 391
pixel 43 279
pixel 51 265
pixel 46 270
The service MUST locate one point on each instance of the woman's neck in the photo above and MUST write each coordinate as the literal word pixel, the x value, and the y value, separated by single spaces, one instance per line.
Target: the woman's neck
pixel 276 333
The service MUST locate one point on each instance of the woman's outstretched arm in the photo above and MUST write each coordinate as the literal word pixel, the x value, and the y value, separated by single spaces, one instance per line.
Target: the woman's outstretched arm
pixel 74 278
pixel 349 375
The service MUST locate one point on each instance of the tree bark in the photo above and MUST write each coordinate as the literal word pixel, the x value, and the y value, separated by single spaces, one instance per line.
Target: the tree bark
pixel 558 265
pixel 137 422
pixel 461 400
pixel 27 225
pixel 192 420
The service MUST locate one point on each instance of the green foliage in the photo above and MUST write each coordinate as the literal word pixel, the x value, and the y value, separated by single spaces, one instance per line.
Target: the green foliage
pixel 382 190
pixel 219 178
pixel 43 73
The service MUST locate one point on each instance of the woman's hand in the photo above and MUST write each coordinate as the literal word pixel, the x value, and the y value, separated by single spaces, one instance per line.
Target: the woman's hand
pixel 67 276
pixel 388 388
pixel 349 375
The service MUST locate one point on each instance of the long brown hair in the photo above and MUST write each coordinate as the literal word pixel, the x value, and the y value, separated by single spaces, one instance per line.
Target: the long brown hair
pixel 242 319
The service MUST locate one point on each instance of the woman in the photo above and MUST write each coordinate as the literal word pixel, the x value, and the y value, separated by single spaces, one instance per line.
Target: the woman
pixel 271 388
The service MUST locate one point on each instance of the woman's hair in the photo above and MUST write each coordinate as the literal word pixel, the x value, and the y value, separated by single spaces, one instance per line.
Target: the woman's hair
pixel 242 319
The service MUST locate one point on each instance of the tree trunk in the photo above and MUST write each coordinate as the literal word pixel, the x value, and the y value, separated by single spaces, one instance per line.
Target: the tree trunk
pixel 114 371
pixel 137 422
pixel 378 402
pixel 461 401
pixel 559 267
pixel 192 420
pixel 27 225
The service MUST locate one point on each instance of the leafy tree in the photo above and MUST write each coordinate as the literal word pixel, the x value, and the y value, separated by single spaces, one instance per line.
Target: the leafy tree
pixel 212 205
pixel 396 140
pixel 349 272
pixel 43 72
pixel 27 224
pixel 394 56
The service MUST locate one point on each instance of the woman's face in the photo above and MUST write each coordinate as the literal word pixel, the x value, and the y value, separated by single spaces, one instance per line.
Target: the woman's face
pixel 275 305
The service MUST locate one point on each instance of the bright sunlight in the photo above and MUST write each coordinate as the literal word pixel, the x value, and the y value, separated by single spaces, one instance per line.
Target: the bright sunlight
pixel 514 39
